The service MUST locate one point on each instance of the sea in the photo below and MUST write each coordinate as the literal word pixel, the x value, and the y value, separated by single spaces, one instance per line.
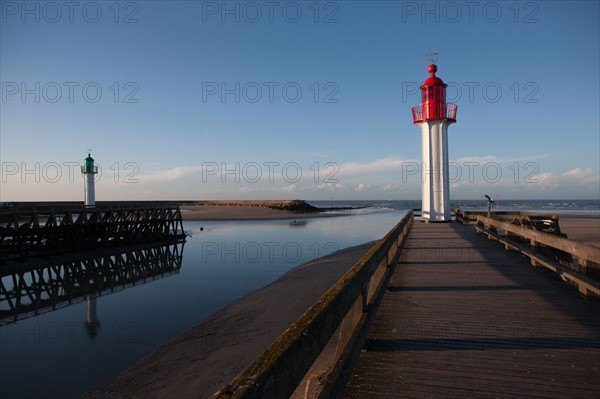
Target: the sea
pixel 60 342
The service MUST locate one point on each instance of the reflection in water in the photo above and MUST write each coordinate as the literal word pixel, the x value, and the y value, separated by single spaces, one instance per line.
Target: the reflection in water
pixel 91 324
pixel 298 223
pixel 32 288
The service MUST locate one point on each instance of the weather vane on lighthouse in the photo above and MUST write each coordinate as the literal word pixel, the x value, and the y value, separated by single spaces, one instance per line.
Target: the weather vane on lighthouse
pixel 434 116
pixel 432 57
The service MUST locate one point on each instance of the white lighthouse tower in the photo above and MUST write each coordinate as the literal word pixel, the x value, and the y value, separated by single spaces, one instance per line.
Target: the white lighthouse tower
pixel 434 116
pixel 89 171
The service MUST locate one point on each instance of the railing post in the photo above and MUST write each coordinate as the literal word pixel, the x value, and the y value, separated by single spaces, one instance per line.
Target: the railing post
pixel 315 383
pixel 589 268
pixel 534 247
pixel 512 237
pixel 349 323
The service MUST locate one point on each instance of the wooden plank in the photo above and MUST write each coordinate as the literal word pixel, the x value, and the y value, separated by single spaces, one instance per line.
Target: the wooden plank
pixel 467 324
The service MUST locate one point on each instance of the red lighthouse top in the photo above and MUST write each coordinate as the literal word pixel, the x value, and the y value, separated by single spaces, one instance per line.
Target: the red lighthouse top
pixel 433 80
pixel 433 105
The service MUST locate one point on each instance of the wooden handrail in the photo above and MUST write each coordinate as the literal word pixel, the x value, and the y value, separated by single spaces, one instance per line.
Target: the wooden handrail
pixel 281 367
pixel 582 251
pixel 588 256
pixel 465 216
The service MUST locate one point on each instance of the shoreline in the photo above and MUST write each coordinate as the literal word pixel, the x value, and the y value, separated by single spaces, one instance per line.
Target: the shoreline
pixel 229 210
pixel 242 212
pixel 199 361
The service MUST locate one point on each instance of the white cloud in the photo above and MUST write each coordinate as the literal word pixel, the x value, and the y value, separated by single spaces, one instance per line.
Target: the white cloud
pixel 380 166
pixel 545 181
pixel 391 177
pixel 289 189
pixel 170 174
pixel 362 187
pixel 482 160
pixel 586 175
pixel 376 179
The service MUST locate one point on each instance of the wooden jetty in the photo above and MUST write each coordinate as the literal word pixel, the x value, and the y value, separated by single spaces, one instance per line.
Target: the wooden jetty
pixel 440 310
pixel 461 318
pixel 45 230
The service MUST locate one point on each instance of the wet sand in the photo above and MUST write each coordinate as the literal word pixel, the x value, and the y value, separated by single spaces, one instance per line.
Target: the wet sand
pixel 197 363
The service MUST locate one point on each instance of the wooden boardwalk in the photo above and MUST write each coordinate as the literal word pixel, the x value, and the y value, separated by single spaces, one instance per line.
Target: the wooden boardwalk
pixel 464 318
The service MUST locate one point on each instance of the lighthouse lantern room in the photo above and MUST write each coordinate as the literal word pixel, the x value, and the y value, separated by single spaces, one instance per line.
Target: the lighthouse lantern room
pixel 434 116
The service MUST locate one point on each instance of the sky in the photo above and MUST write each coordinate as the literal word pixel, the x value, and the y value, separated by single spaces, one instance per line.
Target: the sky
pixel 296 99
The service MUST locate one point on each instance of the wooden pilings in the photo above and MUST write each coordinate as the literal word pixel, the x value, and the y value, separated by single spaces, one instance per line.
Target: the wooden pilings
pixel 25 233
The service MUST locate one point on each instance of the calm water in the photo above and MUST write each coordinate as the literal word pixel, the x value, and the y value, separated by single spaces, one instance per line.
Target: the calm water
pixel 543 206
pixel 219 264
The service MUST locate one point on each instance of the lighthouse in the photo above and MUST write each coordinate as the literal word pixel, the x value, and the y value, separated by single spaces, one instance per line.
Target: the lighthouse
pixel 89 171
pixel 434 116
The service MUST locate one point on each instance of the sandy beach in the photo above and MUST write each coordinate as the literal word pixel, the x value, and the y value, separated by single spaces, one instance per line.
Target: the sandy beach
pixel 251 210
pixel 581 228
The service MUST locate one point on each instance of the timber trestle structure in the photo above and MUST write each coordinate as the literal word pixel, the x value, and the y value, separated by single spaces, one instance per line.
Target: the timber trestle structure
pixel 32 287
pixel 42 232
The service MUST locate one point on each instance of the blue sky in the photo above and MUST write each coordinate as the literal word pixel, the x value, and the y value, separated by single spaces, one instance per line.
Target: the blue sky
pixel 304 99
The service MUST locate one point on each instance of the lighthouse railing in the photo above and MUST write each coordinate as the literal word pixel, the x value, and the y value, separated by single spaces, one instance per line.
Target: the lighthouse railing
pixel 448 110
pixel 451 111
pixel 417 112
pixel 89 169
